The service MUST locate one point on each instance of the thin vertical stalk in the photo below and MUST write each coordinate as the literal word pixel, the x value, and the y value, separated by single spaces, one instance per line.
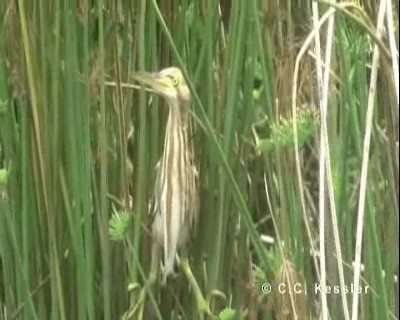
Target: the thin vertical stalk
pixel 300 55
pixel 324 153
pixel 365 161
pixel 324 91
pixel 141 194
pixel 103 147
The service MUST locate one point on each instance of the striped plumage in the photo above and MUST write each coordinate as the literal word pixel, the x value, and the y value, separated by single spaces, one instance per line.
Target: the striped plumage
pixel 175 195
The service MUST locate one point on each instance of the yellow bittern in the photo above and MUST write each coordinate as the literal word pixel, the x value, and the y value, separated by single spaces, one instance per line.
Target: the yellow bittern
pixel 175 205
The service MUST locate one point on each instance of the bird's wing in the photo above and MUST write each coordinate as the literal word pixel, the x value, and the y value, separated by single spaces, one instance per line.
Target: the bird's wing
pixel 153 203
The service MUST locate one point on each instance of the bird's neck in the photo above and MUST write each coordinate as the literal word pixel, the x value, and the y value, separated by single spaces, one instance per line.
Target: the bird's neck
pixel 177 131
pixel 178 118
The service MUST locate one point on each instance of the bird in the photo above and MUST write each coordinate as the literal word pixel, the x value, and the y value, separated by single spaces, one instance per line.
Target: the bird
pixel 175 199
pixel 175 205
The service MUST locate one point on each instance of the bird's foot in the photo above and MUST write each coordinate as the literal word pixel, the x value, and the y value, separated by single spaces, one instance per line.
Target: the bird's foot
pixel 202 304
pixel 136 310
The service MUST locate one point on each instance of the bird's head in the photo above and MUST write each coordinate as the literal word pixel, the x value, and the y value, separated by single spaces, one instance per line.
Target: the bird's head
pixel 169 83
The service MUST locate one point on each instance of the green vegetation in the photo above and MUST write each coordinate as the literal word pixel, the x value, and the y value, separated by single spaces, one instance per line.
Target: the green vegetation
pixel 298 166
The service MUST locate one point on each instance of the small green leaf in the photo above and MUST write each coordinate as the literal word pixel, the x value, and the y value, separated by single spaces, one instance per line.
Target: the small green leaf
pixel 282 133
pixel 118 225
pixel 227 314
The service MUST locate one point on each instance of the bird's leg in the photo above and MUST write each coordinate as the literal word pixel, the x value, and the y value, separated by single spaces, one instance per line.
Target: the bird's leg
pixel 202 303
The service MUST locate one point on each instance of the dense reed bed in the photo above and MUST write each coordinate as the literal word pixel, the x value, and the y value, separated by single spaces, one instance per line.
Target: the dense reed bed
pixel 295 109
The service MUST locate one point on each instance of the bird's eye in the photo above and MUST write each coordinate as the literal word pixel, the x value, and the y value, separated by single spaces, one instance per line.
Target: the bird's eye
pixel 175 81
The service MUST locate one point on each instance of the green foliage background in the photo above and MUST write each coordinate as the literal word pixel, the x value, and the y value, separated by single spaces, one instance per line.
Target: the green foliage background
pixel 66 163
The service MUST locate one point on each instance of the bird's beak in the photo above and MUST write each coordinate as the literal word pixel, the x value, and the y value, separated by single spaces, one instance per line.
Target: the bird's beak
pixel 151 81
